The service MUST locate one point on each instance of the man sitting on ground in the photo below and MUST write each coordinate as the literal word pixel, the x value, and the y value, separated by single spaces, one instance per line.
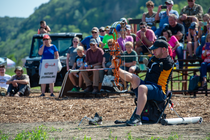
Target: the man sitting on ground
pixel 3 79
pixel 94 58
pixel 18 84
pixel 155 84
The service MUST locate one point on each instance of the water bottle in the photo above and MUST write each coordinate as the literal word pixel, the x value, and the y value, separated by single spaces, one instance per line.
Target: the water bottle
pixel 177 64
pixel 85 65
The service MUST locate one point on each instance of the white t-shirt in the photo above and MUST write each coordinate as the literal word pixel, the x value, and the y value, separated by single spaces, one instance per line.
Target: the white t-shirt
pixel 3 80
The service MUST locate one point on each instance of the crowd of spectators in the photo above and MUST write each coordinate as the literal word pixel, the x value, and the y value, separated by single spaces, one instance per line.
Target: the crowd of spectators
pixel 190 26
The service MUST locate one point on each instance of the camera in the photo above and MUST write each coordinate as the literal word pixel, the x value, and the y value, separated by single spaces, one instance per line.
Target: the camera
pixel 163 7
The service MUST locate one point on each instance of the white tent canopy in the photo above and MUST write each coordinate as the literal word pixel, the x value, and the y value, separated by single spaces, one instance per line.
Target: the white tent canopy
pixel 9 62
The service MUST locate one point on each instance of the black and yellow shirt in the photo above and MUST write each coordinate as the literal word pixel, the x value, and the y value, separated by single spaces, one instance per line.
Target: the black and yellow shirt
pixel 159 72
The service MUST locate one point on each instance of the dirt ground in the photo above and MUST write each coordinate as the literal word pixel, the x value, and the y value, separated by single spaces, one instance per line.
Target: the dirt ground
pixel 25 113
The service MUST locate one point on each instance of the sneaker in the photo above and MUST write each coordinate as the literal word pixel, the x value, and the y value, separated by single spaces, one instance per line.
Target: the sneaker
pixel 42 95
pixel 134 121
pixel 52 95
pixel 194 56
pixel 74 89
pixel 97 120
pixel 89 89
pixel 77 89
pixel 95 90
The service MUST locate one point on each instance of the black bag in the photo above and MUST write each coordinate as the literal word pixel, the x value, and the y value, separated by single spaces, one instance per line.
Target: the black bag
pixel 152 111
pixel 194 82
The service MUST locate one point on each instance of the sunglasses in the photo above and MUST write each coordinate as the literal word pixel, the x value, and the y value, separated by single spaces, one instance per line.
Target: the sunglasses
pixel 190 0
pixel 45 39
pixel 75 42
pixel 101 31
pixel 142 27
pixel 92 44
pixel 94 32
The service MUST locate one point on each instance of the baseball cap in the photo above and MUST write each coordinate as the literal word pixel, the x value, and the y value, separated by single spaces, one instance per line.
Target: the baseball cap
pixel 162 37
pixel 193 25
pixel 19 68
pixel 93 41
pixel 2 66
pixel 123 20
pixel 46 37
pixel 95 29
pixel 108 27
pixel 169 2
pixel 128 27
pixel 101 29
pixel 165 26
pixel 159 43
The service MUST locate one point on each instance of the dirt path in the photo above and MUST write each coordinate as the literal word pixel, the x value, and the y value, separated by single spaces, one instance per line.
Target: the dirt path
pixel 18 114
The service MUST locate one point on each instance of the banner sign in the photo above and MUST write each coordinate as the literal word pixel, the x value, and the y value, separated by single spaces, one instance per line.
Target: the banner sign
pixel 48 71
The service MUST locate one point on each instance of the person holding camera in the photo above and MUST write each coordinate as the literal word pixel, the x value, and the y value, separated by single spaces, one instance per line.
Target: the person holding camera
pixel 163 16
pixel 19 84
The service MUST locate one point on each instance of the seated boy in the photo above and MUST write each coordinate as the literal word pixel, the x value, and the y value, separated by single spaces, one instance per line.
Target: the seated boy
pixel 130 63
pixel 79 61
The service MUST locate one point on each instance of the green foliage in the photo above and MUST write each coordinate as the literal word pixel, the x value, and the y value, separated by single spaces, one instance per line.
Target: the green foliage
pixel 70 16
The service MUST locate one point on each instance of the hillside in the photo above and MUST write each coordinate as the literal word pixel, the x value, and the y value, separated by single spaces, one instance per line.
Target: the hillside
pixel 72 16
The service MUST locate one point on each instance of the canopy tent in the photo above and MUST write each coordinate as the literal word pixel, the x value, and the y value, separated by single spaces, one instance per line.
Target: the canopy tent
pixel 8 62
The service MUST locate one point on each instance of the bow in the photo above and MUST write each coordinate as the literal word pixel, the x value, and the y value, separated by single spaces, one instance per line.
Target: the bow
pixel 115 52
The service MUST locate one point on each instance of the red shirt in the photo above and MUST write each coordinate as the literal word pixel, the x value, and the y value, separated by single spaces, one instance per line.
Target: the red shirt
pixel 94 57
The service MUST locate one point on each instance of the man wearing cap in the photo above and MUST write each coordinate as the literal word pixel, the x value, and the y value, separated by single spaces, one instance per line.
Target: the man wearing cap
pixel 163 16
pixel 19 84
pixel 192 40
pixel 107 29
pixel 191 13
pixel 95 35
pixel 155 84
pixel 3 79
pixel 102 31
pixel 94 58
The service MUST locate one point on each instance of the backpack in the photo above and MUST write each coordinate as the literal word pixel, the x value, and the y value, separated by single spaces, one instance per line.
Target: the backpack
pixel 152 111
pixel 194 82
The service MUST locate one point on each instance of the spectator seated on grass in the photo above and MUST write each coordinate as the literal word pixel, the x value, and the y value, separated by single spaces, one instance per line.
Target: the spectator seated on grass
pixel 94 59
pixel 205 66
pixel 3 80
pixel 71 54
pixel 192 40
pixel 18 84
pixel 149 17
pixel 191 13
pixel 106 61
pixel 44 28
pixel 78 62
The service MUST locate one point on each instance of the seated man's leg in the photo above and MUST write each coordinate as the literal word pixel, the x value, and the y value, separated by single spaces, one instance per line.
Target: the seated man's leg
pixel 158 32
pixel 87 81
pixel 101 75
pixel 9 90
pixel 22 89
pixel 96 79
pixel 179 52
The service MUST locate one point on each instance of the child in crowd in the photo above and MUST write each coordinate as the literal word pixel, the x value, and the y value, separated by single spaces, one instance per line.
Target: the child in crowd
pixel 206 64
pixel 79 61
pixel 44 28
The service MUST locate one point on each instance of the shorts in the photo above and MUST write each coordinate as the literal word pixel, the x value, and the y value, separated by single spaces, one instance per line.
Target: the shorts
pixel 154 91
pixel 137 69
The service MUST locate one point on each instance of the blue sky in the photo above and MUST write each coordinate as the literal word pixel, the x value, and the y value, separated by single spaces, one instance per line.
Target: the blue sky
pixel 19 8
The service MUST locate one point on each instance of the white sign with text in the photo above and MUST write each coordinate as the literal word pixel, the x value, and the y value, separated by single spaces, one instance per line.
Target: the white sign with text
pixel 48 71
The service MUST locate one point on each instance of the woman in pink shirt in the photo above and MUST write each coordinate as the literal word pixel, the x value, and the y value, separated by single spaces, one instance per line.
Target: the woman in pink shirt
pixel 123 39
pixel 172 40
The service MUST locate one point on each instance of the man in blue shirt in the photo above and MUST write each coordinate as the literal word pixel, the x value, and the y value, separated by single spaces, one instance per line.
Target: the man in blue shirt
pixel 95 34
pixel 163 16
